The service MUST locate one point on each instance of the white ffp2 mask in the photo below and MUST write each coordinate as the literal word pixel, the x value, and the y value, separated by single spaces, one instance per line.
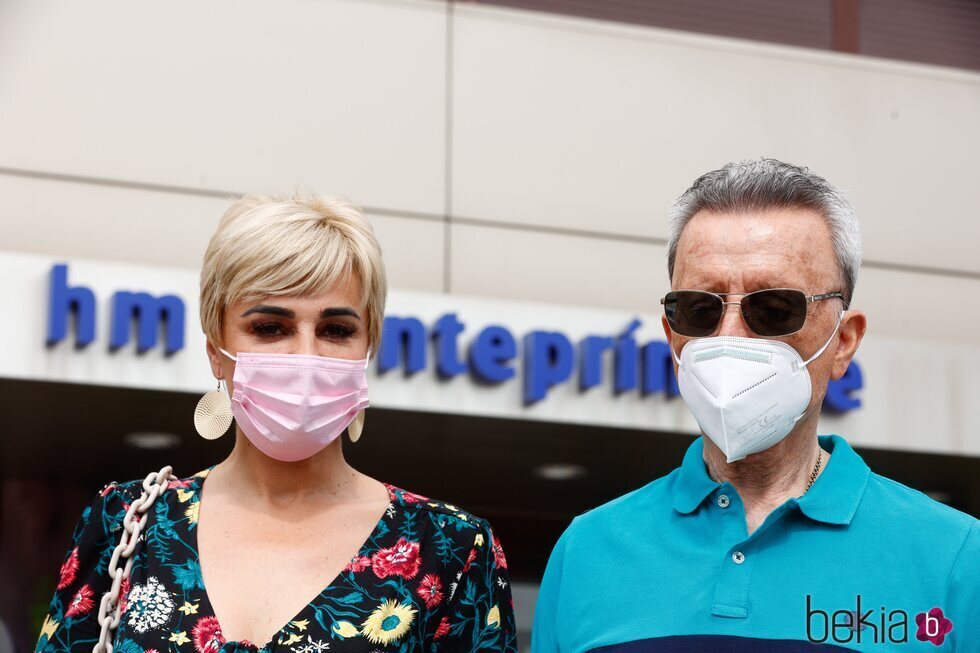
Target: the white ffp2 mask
pixel 746 394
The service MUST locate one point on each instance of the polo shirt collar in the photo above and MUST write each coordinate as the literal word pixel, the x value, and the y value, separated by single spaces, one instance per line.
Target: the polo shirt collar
pixel 833 499
pixel 693 482
pixel 837 492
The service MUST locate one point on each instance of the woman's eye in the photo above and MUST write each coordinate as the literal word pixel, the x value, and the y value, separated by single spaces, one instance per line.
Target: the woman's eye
pixel 337 331
pixel 268 329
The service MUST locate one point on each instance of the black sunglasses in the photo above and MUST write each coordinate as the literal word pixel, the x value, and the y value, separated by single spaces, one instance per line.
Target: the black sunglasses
pixel 770 312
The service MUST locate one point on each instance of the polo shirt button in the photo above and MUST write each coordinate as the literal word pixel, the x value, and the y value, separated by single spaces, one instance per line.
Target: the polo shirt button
pixel 723 501
pixel 738 557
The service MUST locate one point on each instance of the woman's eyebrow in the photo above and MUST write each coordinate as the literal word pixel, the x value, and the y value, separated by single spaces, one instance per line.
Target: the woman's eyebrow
pixel 270 310
pixel 334 312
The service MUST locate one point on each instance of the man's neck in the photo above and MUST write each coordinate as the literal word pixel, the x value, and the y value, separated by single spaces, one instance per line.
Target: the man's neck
pixel 767 479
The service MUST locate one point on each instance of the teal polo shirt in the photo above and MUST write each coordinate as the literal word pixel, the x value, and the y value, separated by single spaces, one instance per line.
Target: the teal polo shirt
pixel 858 563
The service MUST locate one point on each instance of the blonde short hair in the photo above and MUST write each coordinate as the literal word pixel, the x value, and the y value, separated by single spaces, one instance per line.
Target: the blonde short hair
pixel 267 246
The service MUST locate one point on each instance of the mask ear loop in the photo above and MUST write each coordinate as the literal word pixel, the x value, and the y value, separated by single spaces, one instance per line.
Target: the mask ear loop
pixel 817 355
pixel 826 344
pixel 234 358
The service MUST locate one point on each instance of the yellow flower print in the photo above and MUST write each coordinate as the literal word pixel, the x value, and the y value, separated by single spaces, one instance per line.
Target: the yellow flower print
pixel 493 617
pixel 345 629
pixel 298 627
pixel 449 506
pixel 184 495
pixel 193 512
pixel 203 473
pixel 292 639
pixel 478 540
pixel 50 625
pixel 388 622
pixel 189 608
pixel 179 638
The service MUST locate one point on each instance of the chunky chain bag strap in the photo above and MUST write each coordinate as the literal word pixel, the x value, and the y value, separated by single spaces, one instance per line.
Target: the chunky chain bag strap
pixel 109 613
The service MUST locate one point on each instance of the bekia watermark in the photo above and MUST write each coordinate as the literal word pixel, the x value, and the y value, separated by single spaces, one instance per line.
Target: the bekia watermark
pixel 881 626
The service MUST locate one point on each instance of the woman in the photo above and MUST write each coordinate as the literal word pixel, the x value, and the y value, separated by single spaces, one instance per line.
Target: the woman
pixel 283 546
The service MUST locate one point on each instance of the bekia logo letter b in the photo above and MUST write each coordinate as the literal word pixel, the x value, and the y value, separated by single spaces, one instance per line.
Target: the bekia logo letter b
pixel 933 626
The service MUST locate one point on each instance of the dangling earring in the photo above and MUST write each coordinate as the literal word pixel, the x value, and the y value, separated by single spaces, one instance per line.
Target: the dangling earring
pixel 212 417
pixel 356 427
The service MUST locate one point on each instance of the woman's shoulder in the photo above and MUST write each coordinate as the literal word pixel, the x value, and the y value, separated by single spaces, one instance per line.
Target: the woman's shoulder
pixel 451 521
pixel 452 524
pixel 115 497
pixel 129 490
pixel 437 508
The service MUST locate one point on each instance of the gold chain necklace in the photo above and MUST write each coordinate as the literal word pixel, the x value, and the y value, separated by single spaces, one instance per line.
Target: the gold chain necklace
pixel 815 472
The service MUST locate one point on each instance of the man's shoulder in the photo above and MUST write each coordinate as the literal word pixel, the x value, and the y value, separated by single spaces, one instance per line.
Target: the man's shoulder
pixel 648 500
pixel 916 508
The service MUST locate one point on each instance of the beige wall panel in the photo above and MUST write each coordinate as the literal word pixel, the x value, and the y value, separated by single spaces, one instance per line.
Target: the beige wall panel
pixel 560 269
pixel 926 307
pixel 152 228
pixel 597 126
pixel 238 95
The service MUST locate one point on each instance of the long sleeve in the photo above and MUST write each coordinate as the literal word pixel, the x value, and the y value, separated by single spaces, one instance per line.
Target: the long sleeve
pixel 72 621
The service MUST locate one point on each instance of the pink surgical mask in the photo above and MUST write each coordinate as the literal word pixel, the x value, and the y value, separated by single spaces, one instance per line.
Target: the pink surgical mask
pixel 291 406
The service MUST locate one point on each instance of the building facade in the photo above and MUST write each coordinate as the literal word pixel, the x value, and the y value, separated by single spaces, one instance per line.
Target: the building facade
pixel 517 166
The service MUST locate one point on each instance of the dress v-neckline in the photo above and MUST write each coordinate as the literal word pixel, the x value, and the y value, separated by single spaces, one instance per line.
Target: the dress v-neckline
pixel 199 479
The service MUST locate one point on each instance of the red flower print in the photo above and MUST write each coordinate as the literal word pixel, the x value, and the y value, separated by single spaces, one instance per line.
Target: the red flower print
pixel 430 590
pixel 107 489
pixel 411 497
pixel 443 628
pixel 933 626
pixel 81 603
pixel 400 560
pixel 469 560
pixel 498 553
pixel 207 635
pixel 358 563
pixel 123 595
pixel 69 570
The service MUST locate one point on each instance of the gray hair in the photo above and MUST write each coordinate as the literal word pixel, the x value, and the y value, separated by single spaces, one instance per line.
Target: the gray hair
pixel 761 184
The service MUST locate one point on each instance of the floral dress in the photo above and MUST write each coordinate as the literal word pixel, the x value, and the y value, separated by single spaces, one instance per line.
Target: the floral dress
pixel 430 577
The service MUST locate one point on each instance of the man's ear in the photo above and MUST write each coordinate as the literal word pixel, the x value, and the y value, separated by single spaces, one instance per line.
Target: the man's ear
pixel 670 340
pixel 667 331
pixel 852 329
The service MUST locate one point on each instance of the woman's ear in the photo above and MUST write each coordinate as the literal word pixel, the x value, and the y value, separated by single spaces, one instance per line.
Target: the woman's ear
pixel 214 358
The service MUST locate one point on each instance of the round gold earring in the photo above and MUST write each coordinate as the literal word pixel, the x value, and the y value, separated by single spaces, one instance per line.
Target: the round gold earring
pixel 212 417
pixel 356 427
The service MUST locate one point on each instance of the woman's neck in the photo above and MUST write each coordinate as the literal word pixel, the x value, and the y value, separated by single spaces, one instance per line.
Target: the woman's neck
pixel 325 476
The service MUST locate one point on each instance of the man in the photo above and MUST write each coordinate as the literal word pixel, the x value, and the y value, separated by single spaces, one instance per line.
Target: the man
pixel 766 538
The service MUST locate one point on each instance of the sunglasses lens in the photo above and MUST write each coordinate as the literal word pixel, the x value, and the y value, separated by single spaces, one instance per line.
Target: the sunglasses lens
pixel 693 313
pixel 775 312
